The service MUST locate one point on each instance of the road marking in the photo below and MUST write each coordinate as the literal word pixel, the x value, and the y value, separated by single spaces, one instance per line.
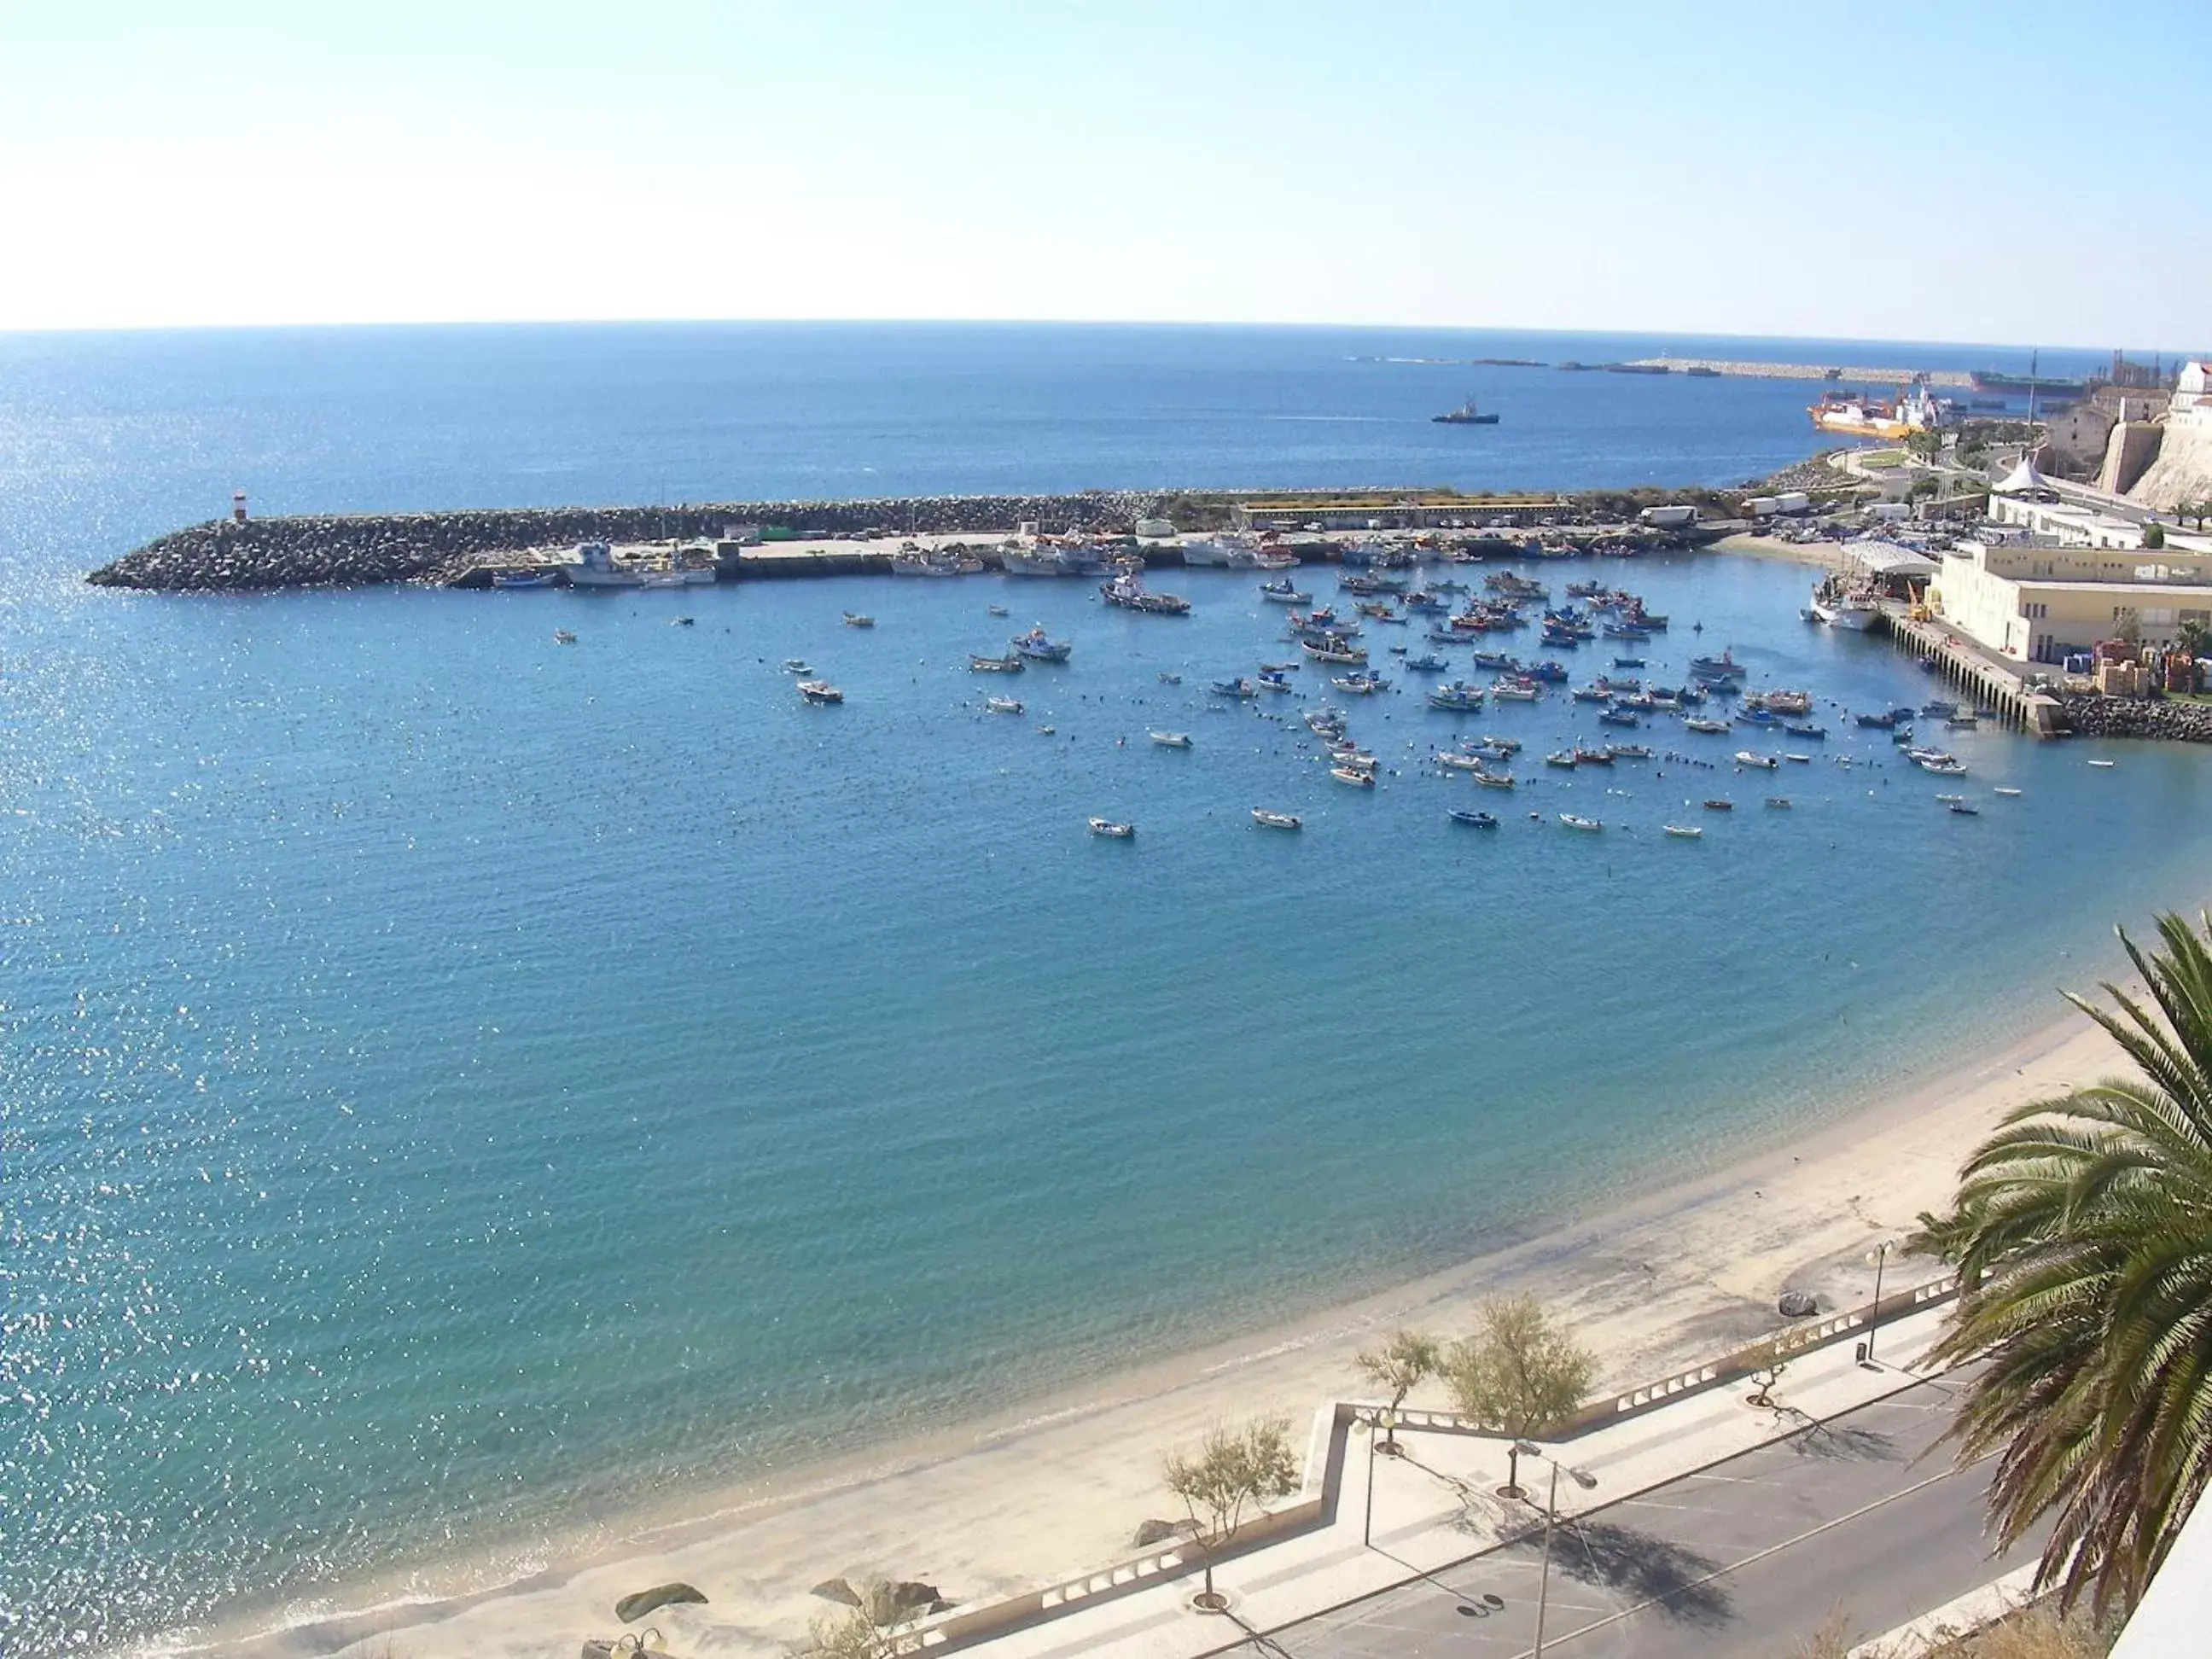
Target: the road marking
pixel 1772 1549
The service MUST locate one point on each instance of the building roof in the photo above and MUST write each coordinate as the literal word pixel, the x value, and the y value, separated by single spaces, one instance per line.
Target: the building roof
pixel 1890 559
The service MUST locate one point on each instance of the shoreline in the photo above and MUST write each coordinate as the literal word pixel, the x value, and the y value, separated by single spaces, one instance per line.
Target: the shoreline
pixel 1059 1484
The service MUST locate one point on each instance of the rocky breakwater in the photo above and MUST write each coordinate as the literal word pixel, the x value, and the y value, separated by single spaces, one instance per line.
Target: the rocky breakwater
pixel 331 550
pixel 2134 717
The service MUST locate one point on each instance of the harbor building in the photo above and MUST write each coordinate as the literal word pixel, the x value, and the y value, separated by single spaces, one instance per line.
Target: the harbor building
pixel 2049 578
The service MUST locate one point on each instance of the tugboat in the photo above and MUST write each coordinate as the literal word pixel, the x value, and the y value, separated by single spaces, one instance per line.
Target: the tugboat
pixel 1465 415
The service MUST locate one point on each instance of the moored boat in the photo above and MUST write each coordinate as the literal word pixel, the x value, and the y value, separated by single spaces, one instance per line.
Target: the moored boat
pixel 1267 820
pixel 1040 646
pixel 1574 822
pixel 1113 830
pixel 1239 687
pixel 1744 758
pixel 797 666
pixel 1009 664
pixel 858 619
pixel 1687 831
pixel 1473 820
pixel 1171 739
pixel 1003 705
pixel 1358 777
pixel 820 692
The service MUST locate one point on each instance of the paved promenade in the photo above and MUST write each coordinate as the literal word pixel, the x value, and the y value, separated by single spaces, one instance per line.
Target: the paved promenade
pixel 1430 1521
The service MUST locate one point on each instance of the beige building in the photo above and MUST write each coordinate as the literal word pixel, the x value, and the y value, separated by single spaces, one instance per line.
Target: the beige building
pixel 2051 577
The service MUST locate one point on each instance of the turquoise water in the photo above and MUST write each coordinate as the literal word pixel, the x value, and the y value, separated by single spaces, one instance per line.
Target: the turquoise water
pixel 452 1084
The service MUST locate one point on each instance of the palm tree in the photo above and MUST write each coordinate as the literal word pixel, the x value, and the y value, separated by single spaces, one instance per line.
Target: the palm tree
pixel 2082 1231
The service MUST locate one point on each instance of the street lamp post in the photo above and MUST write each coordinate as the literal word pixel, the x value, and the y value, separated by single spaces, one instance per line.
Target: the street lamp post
pixel 1879 1256
pixel 1582 1478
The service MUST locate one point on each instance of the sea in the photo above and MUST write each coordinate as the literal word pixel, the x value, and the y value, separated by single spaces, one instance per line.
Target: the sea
pixel 458 1088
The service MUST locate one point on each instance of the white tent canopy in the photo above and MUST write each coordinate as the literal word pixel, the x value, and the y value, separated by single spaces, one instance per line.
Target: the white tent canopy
pixel 2022 480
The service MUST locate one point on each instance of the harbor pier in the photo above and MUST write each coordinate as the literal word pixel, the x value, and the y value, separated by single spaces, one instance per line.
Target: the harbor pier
pixel 1993 684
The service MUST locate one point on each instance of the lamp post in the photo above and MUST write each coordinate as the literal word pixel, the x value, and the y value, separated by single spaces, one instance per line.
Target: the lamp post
pixel 1877 1258
pixel 1582 1478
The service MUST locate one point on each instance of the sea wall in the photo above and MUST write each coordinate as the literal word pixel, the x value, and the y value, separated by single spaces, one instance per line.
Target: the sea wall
pixel 2129 717
pixel 326 550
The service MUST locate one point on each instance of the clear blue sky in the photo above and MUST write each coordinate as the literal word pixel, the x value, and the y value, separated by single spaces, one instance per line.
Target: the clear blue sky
pixel 2023 172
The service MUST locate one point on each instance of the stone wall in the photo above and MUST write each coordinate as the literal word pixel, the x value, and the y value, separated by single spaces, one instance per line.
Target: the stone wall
pixel 2183 470
pixel 2128 455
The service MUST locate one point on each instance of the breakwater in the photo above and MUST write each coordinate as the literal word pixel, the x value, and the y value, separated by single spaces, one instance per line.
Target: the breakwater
pixel 2127 717
pixel 344 549
pixel 1945 377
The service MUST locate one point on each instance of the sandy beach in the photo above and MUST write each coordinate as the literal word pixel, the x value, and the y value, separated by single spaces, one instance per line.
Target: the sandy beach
pixel 1826 556
pixel 980 1511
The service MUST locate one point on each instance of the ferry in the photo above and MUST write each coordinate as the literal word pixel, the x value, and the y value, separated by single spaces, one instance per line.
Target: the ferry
pixel 1864 418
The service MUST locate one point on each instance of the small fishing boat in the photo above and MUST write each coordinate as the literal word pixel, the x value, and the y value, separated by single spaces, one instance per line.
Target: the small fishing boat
pixel 1780 803
pixel 1631 751
pixel 1285 592
pixel 1460 762
pixel 1473 820
pixel 1629 662
pixel 1966 810
pixel 1939 707
pixel 1744 758
pixel 1003 705
pixel 1171 739
pixel 1290 667
pixel 1273 679
pixel 1687 831
pixel 682 621
pixel 1009 664
pixel 1817 733
pixel 2007 793
pixel 1718 806
pixel 564 636
pixel 1563 758
pixel 1574 822
pixel 1112 829
pixel 1592 756
pixel 1267 820
pixel 1618 717
pixel 1427 663
pixel 1360 685
pixel 1710 728
pixel 1948 800
pixel 820 692
pixel 517 579
pixel 1239 687
pixel 2104 765
pixel 857 619
pixel 1800 760
pixel 1944 766
pixel 1500 746
pixel 1040 645
pixel 1494 780
pixel 1514 691
pixel 1336 649
pixel 797 666
pixel 997 610
pixel 1718 669
pixel 1358 777
pixel 1168 678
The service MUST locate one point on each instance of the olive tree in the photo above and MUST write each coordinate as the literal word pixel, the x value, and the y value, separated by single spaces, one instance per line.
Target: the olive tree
pixel 1518 1376
pixel 1234 1471
pixel 1399 1366
pixel 1768 1361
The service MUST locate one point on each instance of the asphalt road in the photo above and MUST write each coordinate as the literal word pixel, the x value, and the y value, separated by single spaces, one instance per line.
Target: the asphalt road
pixel 1739 1561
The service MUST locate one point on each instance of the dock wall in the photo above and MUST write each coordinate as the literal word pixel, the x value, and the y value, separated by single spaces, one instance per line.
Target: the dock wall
pixel 1991 684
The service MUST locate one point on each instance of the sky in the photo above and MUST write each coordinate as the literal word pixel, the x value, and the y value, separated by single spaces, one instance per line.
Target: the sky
pixel 2021 172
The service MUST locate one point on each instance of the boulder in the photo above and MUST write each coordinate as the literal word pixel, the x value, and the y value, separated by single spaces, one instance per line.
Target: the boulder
pixel 1158 1532
pixel 1798 1305
pixel 633 1607
pixel 836 1589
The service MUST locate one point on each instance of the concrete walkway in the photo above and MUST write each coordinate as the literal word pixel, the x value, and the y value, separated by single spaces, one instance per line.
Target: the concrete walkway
pixel 1391 1521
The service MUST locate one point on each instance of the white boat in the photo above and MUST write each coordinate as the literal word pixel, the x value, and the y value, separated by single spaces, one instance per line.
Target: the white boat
pixel 1267 820
pixel 1284 592
pixel 1171 739
pixel 1358 777
pixel 855 619
pixel 1855 609
pixel 1340 651
pixel 2106 765
pixel 1003 705
pixel 820 692
pixel 1687 831
pixel 1508 692
pixel 1574 823
pixel 996 610
pixel 1011 663
pixel 1112 829
pixel 1462 762
pixel 564 636
pixel 797 666
pixel 1744 758
pixel 596 566
pixel 2001 790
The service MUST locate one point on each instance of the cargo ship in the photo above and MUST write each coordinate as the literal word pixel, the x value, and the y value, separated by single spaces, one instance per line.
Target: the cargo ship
pixel 1990 379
